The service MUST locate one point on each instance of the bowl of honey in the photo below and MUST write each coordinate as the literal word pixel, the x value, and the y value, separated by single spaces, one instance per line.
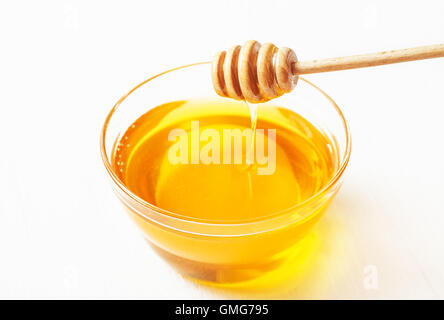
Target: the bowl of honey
pixel 222 189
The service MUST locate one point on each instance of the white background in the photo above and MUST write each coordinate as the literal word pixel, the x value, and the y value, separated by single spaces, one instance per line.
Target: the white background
pixel 63 64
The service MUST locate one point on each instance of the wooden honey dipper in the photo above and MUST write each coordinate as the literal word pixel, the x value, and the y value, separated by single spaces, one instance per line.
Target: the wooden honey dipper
pixel 257 73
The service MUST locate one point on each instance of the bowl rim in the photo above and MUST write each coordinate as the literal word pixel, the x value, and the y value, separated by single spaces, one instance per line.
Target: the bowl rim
pixel 205 222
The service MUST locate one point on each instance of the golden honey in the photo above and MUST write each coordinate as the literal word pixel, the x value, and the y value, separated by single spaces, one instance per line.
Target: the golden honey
pixel 206 177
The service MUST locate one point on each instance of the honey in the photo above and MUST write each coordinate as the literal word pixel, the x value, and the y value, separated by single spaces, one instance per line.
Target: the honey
pixel 179 158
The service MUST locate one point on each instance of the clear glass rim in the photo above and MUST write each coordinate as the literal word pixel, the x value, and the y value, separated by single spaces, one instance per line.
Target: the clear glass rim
pixel 171 215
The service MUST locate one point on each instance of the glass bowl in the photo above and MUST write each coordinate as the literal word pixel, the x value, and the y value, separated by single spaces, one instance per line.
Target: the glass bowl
pixel 223 252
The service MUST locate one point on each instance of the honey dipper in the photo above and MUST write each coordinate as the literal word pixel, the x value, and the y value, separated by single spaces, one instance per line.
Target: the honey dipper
pixel 258 73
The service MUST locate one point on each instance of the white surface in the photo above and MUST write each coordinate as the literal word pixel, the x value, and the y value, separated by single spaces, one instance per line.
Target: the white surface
pixel 63 65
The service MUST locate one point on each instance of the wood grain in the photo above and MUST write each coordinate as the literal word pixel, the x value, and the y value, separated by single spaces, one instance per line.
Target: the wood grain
pixel 369 60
